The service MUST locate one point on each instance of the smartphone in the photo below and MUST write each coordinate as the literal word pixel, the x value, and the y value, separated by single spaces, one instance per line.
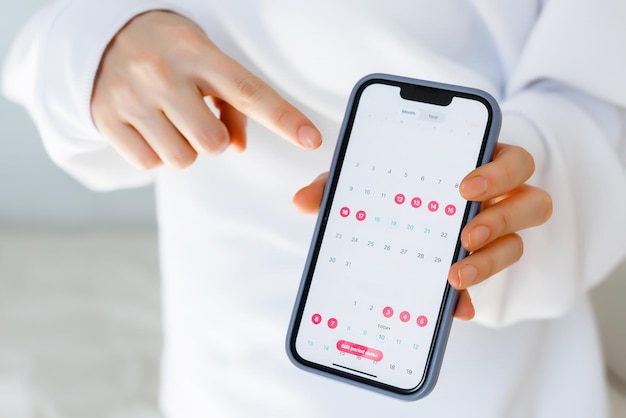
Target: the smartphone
pixel 374 307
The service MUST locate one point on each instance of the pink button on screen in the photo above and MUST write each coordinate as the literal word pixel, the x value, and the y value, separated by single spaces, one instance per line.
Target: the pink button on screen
pixel 359 350
pixel 433 206
pixel 405 316
pixel 450 210
pixel 416 202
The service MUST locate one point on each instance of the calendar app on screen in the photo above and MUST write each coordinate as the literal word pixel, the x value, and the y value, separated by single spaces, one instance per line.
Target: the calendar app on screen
pixel 377 278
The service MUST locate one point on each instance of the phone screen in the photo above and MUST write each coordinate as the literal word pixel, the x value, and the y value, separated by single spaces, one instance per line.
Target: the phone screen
pixel 376 280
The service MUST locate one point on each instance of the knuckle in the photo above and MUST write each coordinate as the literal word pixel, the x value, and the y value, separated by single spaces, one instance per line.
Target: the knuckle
pixel 529 160
pixel 280 115
pixel 518 166
pixel 511 249
pixel 102 116
pixel 187 34
pixel 488 267
pixel 181 158
pixel 512 175
pixel 546 206
pixel 144 159
pixel 148 162
pixel 153 69
pixel 215 147
pixel 526 162
pixel 518 247
pixel 122 93
pixel 125 98
pixel 190 41
pixel 250 89
pixel 505 252
pixel 501 177
pixel 542 206
pixel 211 140
pixel 503 222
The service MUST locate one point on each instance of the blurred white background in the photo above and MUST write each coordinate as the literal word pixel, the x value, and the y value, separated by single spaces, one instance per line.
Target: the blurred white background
pixel 79 291
pixel 33 191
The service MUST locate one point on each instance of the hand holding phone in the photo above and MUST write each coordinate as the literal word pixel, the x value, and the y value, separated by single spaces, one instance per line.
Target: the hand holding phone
pixel 374 307
pixel 506 197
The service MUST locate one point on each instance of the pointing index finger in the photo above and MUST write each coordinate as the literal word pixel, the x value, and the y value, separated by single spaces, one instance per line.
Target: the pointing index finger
pixel 228 80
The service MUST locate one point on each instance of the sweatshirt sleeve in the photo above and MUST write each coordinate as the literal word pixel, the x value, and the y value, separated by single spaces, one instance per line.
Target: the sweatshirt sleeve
pixel 566 104
pixel 50 70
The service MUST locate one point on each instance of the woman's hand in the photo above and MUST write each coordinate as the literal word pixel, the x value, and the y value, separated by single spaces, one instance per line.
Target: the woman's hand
pixel 508 205
pixel 148 98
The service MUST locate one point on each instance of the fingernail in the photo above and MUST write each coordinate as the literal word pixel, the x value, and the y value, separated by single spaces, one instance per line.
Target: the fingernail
pixel 467 275
pixel 478 236
pixel 309 137
pixel 474 187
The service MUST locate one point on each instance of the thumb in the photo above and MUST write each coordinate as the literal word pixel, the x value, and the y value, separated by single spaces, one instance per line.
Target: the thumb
pixel 309 198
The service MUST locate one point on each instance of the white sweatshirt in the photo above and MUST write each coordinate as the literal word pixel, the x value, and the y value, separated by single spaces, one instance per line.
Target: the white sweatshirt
pixel 233 248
